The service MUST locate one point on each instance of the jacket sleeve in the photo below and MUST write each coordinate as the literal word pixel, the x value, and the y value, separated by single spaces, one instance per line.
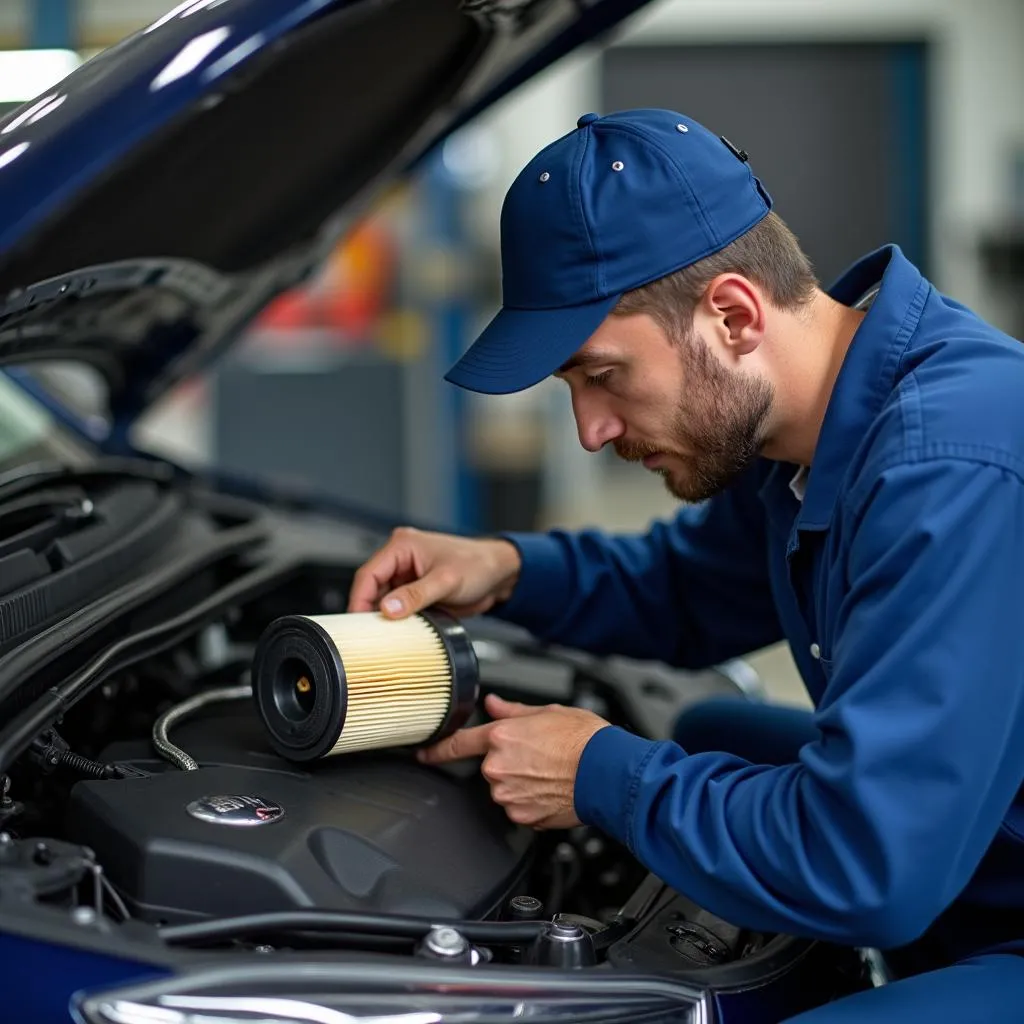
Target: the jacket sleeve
pixel 693 591
pixel 882 822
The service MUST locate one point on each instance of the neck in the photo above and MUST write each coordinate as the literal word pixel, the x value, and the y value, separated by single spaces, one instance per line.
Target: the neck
pixel 812 348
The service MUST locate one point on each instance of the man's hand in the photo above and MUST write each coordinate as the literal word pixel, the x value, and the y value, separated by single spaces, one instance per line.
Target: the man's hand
pixel 417 568
pixel 531 756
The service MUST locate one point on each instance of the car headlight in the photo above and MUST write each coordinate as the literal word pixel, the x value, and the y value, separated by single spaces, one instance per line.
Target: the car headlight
pixel 378 993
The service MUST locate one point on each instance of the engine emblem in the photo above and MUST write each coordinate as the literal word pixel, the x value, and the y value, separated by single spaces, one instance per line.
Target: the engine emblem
pixel 235 810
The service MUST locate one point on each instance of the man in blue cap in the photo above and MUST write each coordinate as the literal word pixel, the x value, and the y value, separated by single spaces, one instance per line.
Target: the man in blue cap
pixel 853 466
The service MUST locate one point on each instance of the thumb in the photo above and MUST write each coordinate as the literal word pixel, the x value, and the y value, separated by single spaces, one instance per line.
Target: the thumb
pixel 498 708
pixel 415 596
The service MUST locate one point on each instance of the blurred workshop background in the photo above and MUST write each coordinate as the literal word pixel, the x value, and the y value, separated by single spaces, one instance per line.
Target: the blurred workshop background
pixel 869 121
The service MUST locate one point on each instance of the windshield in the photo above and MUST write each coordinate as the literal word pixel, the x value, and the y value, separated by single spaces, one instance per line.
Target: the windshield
pixel 29 433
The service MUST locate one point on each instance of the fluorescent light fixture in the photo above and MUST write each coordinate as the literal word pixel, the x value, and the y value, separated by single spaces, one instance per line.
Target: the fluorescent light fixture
pixel 24 74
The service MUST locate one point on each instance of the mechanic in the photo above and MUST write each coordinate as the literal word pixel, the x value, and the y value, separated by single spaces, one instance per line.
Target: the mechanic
pixel 851 464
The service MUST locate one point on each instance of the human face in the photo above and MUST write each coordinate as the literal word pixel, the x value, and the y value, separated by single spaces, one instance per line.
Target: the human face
pixel 671 405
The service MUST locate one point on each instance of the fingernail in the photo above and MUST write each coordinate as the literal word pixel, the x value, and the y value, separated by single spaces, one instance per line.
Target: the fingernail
pixel 392 605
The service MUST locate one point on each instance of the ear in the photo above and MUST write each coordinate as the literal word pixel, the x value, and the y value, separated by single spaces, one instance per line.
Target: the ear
pixel 737 311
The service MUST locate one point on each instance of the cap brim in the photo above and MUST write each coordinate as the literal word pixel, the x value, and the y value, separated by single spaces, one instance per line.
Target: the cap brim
pixel 520 347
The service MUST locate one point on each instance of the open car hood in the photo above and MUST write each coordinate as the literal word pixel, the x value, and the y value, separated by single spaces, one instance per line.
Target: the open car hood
pixel 156 200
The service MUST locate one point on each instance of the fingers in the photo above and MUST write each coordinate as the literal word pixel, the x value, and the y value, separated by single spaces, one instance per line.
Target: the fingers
pixel 432 588
pixel 364 592
pixel 375 576
pixel 498 708
pixel 465 743
pixel 396 580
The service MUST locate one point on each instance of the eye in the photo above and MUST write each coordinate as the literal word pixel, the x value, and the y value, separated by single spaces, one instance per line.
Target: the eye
pixel 598 379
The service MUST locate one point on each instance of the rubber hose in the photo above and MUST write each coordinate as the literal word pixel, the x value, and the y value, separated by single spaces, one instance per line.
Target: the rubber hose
pixel 391 925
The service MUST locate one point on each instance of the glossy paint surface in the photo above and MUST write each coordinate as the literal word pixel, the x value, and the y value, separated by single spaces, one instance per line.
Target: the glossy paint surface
pixel 212 160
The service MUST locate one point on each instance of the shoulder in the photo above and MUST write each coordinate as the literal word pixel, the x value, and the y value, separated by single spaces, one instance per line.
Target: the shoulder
pixel 958 398
pixel 966 378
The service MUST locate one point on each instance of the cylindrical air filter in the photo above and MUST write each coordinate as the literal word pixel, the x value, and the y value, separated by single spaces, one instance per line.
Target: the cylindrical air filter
pixel 333 684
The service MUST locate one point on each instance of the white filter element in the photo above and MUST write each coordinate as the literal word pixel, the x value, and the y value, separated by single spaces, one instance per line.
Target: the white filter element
pixel 398 679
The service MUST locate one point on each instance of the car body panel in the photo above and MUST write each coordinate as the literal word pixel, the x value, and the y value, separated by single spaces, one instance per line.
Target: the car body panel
pixel 156 200
pixel 53 972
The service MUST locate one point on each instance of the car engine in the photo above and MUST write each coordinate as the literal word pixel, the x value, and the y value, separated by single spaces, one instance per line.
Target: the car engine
pixel 247 831
pixel 145 801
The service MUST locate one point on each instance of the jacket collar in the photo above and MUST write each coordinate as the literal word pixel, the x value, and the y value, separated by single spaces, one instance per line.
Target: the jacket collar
pixel 868 374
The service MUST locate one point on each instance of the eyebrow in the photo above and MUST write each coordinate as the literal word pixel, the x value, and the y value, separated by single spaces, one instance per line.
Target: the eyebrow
pixel 585 359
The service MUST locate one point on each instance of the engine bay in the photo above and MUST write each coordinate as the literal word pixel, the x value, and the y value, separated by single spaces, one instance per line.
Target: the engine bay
pixel 142 797
pixel 245 833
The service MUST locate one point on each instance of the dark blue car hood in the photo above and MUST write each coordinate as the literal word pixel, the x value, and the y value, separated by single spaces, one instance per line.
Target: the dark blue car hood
pixel 158 198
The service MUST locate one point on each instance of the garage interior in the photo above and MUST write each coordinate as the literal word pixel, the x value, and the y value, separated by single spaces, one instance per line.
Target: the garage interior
pixel 871 122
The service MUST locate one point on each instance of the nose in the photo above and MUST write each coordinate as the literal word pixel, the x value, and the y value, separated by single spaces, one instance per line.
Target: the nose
pixel 596 423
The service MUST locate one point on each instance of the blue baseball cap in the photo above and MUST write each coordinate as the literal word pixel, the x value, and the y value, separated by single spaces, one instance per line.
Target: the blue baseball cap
pixel 617 203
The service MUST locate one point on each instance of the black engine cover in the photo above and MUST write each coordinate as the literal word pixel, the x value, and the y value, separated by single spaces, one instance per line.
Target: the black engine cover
pixel 377 832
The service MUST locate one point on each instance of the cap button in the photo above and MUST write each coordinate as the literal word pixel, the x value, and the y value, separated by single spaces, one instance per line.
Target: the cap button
pixel 587 119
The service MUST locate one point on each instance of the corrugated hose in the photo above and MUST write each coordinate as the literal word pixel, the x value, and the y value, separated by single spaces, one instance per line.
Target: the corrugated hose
pixel 162 726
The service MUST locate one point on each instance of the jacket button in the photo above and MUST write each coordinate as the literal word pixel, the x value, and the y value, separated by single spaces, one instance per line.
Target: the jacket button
pixel 815 651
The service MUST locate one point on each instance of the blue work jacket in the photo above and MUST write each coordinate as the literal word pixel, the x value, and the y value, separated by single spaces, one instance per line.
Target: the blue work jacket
pixel 898 582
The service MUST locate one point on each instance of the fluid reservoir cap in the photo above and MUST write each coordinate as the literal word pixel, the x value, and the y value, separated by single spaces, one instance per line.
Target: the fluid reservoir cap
pixel 524 908
pixel 563 944
pixel 446 942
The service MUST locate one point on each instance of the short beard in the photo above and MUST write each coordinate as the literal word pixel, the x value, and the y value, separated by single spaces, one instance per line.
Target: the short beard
pixel 722 421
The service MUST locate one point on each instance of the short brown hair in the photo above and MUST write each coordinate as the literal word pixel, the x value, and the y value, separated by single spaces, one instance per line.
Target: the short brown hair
pixel 768 254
